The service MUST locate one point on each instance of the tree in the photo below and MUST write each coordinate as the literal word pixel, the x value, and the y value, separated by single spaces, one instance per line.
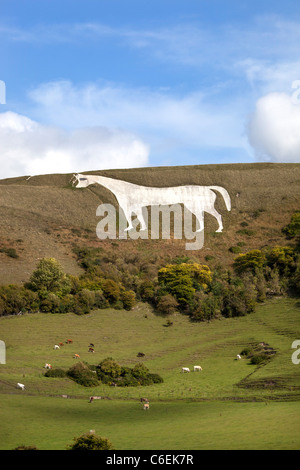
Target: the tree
pixel 251 261
pixel 183 280
pixel 90 442
pixel 49 276
pixel 282 258
pixel 111 290
pixel 109 367
pixel 128 299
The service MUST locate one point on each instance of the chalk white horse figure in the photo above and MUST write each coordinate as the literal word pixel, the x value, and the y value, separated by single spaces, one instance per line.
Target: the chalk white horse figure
pixel 132 198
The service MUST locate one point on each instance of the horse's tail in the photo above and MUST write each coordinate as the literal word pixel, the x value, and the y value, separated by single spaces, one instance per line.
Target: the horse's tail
pixel 224 194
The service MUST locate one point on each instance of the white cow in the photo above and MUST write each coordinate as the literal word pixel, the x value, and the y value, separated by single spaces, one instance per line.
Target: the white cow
pixel 185 369
pixel 146 406
pixel 56 347
pixel 197 368
pixel 238 356
pixel 21 386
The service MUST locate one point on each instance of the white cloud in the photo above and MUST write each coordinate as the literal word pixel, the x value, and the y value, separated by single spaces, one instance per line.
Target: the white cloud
pixel 27 147
pixel 274 128
pixel 160 117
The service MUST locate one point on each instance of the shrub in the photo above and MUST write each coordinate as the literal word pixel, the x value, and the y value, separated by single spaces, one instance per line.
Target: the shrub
pixel 109 371
pixel 246 231
pixel 55 373
pixel 90 442
pixel 111 290
pixel 234 249
pixel 128 299
pixel 167 304
pixel 23 447
pixel 147 290
pixel 83 375
pixel 250 261
pixel 50 303
pixel 293 228
pixel 257 359
pixel 282 257
pixel 11 252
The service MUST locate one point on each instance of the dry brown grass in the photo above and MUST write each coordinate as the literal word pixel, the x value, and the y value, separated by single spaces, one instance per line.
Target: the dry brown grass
pixel 44 216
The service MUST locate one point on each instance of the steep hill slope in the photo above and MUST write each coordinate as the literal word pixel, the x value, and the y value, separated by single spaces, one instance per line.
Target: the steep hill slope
pixel 44 216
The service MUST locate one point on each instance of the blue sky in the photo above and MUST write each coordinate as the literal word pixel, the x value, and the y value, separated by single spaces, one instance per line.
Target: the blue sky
pixel 100 84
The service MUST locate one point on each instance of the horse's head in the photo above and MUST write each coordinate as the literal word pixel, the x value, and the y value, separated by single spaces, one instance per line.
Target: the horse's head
pixel 80 181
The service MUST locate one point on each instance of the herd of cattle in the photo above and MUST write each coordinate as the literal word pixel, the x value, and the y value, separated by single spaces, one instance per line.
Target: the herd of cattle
pixel 91 349
pixel 58 346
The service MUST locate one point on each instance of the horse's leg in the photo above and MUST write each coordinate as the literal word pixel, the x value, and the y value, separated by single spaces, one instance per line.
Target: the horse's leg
pixel 200 217
pixel 218 216
pixel 139 213
pixel 127 212
pixel 199 214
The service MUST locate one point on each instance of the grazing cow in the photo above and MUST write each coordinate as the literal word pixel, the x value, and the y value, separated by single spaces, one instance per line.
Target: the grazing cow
pixel 197 368
pixel 185 369
pixel 60 344
pixel 69 341
pixel 21 386
pixel 140 354
pixel 144 400
pixel 76 356
pixel 91 350
pixel 56 347
pixel 238 356
pixel 146 406
pixel 48 366
pixel 92 345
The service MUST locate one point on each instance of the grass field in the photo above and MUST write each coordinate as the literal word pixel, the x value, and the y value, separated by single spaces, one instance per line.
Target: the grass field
pixel 206 410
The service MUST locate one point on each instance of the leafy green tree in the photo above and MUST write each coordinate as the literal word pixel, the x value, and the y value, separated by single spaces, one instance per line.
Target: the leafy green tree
pixel 109 367
pixel 90 442
pixel 251 261
pixel 283 258
pixel 50 277
pixel 128 298
pixel 83 375
pixel 111 290
pixel 147 290
pixel 183 280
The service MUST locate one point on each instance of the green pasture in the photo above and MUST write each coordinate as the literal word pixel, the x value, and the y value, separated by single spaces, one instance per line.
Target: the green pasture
pixel 200 410
pixel 52 423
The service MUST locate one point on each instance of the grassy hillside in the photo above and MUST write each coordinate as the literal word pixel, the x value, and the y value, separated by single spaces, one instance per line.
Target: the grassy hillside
pixel 44 216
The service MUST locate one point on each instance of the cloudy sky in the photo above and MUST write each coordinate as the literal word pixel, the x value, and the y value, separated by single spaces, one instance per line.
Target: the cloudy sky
pixel 97 84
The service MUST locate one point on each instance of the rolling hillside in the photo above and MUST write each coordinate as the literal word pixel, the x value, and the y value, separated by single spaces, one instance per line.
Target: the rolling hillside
pixel 44 216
